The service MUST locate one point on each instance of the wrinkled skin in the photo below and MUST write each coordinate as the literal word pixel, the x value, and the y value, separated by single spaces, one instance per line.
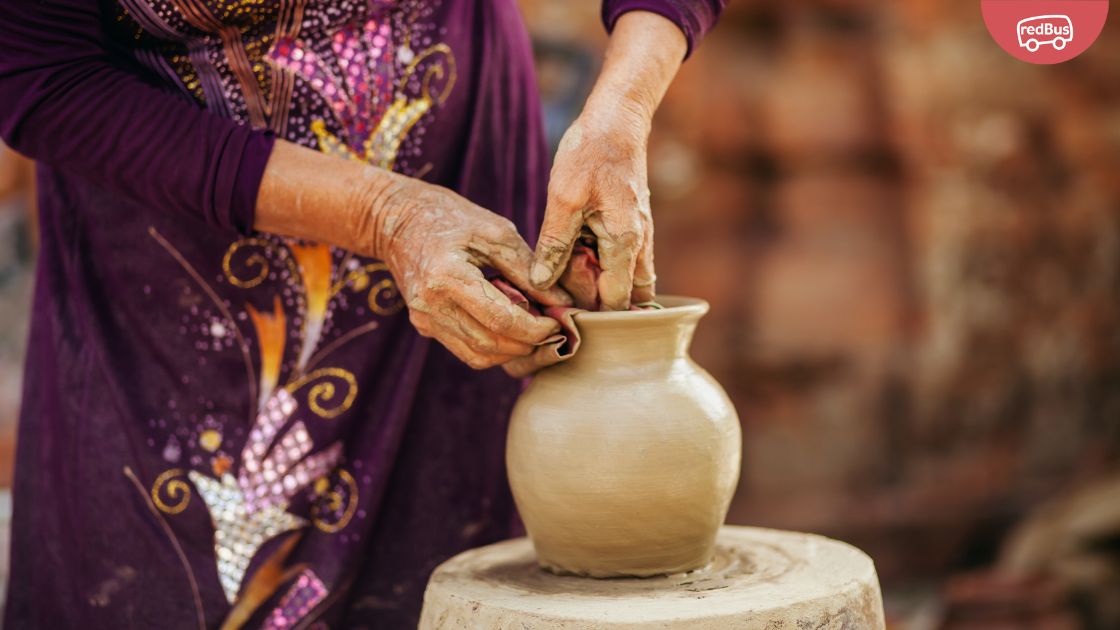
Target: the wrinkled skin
pixel 433 241
pixel 436 247
pixel 599 181
pixel 599 178
pixel 436 242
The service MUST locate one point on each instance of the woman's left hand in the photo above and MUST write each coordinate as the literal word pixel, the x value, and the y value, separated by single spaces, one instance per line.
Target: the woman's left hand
pixel 599 180
pixel 599 174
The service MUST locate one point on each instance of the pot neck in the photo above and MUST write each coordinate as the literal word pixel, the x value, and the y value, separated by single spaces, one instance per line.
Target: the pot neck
pixel 635 338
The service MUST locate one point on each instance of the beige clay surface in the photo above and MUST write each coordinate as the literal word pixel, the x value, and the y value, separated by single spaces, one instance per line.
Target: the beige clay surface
pixel 759 579
pixel 623 460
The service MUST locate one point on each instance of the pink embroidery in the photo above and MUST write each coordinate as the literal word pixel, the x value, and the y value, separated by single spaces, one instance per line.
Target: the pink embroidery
pixel 300 599
pixel 358 85
pixel 271 477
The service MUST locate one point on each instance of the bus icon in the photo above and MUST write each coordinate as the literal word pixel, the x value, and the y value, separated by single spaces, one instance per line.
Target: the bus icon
pixel 1055 30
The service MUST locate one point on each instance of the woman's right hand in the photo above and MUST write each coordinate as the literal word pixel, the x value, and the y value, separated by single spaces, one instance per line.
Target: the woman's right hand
pixel 435 243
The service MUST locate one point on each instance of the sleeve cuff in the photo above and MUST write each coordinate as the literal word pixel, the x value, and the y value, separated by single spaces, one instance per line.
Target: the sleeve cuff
pixel 238 180
pixel 612 10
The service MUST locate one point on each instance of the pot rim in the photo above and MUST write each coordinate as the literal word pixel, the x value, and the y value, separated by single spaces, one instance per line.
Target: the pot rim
pixel 673 307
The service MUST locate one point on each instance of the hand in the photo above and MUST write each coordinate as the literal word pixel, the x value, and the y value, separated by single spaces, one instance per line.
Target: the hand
pixel 435 244
pixel 433 241
pixel 599 180
pixel 599 174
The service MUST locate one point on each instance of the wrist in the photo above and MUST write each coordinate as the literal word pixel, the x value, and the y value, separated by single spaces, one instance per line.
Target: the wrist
pixel 378 204
pixel 308 195
pixel 613 126
pixel 643 56
pixel 612 105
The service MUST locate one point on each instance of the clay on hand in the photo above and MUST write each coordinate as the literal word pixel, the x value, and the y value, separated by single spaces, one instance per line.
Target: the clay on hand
pixel 433 241
pixel 581 281
pixel 599 178
pixel 598 183
pixel 435 246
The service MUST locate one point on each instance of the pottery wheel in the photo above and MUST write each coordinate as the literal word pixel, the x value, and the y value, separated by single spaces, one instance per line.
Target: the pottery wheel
pixel 759 579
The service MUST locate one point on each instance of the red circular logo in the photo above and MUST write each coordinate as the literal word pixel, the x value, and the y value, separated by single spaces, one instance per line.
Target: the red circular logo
pixel 1044 31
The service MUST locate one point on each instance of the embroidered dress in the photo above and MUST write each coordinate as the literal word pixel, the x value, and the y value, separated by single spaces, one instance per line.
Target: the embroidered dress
pixel 222 426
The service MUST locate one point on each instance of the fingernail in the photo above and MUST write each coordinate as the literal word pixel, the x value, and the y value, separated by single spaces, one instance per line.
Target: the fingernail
pixel 540 274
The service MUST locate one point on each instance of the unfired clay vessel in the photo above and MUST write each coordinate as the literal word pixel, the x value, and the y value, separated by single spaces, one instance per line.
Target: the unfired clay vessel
pixel 623 459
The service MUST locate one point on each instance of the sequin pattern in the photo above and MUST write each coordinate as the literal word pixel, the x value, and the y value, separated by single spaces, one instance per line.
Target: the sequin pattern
pixel 358 79
pixel 359 82
pixel 249 510
pixel 270 477
pixel 290 64
pixel 307 591
pixel 238 531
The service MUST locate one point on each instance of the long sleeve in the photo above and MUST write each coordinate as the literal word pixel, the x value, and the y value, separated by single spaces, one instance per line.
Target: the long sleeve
pixel 694 17
pixel 66 102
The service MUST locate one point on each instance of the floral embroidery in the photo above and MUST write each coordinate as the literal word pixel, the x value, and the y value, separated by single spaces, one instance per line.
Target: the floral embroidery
pixel 362 83
pixel 354 79
pixel 239 533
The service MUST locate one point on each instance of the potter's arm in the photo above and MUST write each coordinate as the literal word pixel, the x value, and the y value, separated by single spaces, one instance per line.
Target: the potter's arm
pixel 310 195
pixel 433 241
pixel 599 175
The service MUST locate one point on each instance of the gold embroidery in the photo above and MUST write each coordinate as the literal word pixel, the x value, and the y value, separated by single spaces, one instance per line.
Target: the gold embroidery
pixel 199 612
pixel 175 489
pixel 435 71
pixel 384 296
pixel 334 499
pixel 247 512
pixel 325 391
pixel 383 144
pixel 256 259
pixel 210 440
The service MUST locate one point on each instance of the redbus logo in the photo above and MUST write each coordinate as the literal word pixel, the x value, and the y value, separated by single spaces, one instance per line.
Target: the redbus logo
pixel 1044 31
pixel 1034 30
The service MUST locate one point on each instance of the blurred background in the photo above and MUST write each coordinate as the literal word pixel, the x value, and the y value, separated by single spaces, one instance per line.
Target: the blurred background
pixel 911 245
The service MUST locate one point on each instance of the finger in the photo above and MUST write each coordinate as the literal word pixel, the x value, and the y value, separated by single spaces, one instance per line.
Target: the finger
pixel 458 347
pixel 645 279
pixel 618 244
pixel 481 339
pixel 503 249
pixel 495 312
pixel 563 217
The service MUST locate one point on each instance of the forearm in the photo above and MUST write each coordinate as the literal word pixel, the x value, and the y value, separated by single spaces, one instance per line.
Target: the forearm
pixel 310 195
pixel 643 56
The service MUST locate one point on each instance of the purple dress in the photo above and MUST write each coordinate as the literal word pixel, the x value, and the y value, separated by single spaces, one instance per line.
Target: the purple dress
pixel 220 425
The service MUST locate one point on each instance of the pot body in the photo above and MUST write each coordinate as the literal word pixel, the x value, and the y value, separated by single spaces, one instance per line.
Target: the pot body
pixel 624 459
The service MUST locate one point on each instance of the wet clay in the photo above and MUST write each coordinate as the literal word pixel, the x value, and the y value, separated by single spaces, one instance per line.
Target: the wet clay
pixel 624 458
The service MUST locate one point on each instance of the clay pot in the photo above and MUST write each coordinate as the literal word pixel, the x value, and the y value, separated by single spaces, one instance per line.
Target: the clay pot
pixel 623 459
